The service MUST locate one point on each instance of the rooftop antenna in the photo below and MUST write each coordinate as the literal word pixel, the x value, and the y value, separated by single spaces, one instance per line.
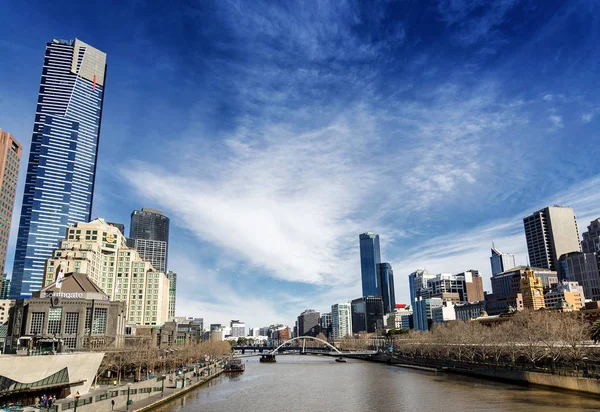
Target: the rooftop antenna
pixel 493 246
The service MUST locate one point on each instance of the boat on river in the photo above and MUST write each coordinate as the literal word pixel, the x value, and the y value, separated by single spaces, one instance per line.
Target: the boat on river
pixel 268 359
pixel 235 365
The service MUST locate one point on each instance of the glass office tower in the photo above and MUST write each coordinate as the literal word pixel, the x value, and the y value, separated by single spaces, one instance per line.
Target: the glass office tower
pixel 370 256
pixel 61 169
pixel 386 278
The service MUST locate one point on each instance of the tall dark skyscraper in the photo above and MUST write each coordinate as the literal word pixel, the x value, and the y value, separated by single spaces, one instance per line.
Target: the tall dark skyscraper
pixel 370 256
pixel 149 235
pixel 386 278
pixel 61 170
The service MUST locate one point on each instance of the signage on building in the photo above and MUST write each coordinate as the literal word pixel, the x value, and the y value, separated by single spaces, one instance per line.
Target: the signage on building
pixel 67 295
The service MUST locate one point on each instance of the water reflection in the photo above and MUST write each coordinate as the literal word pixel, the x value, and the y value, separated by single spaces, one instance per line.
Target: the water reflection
pixel 310 384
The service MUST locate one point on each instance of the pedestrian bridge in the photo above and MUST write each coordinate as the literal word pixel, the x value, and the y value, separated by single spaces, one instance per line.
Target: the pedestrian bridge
pixel 301 347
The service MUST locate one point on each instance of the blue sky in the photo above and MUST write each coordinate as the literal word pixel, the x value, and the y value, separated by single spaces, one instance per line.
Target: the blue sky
pixel 273 133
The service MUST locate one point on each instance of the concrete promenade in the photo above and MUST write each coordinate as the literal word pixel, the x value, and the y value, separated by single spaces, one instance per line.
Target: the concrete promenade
pixel 144 395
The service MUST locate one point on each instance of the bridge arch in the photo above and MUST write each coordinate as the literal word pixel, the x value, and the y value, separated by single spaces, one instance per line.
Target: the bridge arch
pixel 299 338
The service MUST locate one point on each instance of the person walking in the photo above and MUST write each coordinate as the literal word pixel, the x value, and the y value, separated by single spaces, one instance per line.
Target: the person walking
pixel 112 404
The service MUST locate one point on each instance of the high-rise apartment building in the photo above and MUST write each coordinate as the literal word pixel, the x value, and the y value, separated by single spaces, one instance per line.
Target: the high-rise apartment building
pixel 308 321
pixel 582 268
pixel 61 170
pixel 551 232
pixel 591 238
pixel 99 251
pixel 370 256
pixel 386 279
pixel 10 159
pixel 172 276
pixel 149 235
pixel 501 262
pixel 341 320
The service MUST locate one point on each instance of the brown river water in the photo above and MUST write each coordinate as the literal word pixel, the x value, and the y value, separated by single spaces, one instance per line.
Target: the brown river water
pixel 318 383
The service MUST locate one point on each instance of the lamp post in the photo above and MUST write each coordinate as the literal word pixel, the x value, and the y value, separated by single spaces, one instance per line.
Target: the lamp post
pixel 128 391
pixel 76 396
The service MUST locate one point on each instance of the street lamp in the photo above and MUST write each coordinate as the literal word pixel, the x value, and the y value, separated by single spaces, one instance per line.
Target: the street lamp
pixel 76 396
pixel 128 391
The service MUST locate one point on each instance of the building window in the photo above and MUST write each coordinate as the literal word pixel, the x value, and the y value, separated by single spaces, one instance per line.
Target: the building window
pixel 37 322
pixel 71 322
pixel 70 343
pixel 99 326
pixel 88 320
pixel 54 319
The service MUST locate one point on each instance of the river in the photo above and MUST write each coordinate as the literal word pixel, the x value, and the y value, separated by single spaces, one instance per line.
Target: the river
pixel 315 383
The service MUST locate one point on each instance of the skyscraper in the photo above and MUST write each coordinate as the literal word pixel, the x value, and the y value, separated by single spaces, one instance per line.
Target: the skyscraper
pixel 370 256
pixel 341 320
pixel 61 170
pixel 551 232
pixel 386 278
pixel 149 235
pixel 10 158
pixel 591 238
pixel 501 262
pixel 172 276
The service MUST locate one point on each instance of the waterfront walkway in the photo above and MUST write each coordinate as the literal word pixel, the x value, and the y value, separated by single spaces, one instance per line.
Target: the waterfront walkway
pixel 144 395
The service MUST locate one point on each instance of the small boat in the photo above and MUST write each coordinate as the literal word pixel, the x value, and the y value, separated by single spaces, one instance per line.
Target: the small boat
pixel 340 360
pixel 268 359
pixel 235 365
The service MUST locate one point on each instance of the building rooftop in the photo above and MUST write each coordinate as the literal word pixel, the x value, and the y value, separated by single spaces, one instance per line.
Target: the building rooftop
pixel 74 283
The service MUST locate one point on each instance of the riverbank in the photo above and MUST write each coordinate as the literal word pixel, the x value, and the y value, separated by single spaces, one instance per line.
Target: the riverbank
pixel 144 395
pixel 155 403
pixel 587 386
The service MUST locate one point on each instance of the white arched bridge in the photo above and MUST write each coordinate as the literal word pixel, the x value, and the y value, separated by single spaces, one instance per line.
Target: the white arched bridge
pixel 286 346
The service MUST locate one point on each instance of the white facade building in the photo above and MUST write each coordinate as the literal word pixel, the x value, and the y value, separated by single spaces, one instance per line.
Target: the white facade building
pixel 99 250
pixel 341 320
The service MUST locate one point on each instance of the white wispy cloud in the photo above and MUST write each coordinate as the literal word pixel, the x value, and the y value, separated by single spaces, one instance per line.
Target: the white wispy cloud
pixel 556 122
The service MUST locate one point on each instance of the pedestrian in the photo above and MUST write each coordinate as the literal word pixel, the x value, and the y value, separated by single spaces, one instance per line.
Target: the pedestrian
pixel 50 402
pixel 112 404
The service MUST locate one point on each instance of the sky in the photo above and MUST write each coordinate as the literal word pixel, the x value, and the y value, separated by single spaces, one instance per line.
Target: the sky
pixel 273 133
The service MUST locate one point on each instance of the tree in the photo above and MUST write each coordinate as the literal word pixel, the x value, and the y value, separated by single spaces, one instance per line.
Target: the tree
pixel 596 331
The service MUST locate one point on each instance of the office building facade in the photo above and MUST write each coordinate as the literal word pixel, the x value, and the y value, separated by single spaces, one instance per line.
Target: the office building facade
pixel 308 323
pixel 591 239
pixel 582 268
pixel 370 256
pixel 501 262
pixel 386 279
pixel 172 276
pixel 61 169
pixel 550 233
pixel 238 328
pixel 341 320
pixel 149 235
pixel 99 250
pixel 10 159
pixel 367 314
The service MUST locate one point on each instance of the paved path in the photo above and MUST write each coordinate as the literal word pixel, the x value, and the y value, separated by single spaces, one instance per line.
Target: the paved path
pixel 169 391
